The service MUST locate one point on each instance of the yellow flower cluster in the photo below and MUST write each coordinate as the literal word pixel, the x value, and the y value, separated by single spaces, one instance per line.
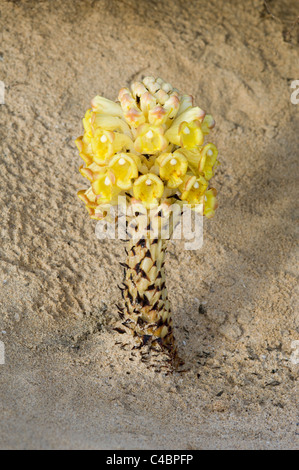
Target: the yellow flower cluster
pixel 149 146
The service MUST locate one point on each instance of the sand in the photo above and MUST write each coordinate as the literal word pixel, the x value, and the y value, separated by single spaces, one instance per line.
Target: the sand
pixel 65 383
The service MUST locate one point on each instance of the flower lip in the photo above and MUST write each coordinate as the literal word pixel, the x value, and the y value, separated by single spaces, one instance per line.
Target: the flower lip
pixel 193 189
pixel 190 134
pixel 208 160
pixel 172 167
pixel 102 188
pixel 207 124
pixel 150 139
pixel 102 145
pixel 124 167
pixel 148 189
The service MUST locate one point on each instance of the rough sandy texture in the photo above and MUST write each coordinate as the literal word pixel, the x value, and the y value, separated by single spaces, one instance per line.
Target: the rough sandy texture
pixel 65 383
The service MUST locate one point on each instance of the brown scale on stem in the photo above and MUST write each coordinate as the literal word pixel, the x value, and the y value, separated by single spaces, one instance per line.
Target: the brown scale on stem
pixel 145 293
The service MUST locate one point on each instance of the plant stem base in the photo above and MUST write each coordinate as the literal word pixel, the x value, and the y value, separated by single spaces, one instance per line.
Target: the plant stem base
pixel 147 311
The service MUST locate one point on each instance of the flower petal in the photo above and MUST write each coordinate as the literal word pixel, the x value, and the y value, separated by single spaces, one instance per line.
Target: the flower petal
pixel 101 105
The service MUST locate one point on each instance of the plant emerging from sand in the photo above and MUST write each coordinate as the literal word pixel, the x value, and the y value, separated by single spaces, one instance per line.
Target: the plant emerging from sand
pixel 149 148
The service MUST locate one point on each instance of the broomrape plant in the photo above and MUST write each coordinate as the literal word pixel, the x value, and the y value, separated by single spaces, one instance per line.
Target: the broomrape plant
pixel 149 148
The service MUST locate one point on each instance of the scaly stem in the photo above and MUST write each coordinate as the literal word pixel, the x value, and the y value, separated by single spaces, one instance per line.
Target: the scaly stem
pixel 147 308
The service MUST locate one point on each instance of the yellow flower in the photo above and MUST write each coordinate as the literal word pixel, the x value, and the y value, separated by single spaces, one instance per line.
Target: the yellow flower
pixel 138 90
pixel 149 144
pixel 102 145
pixel 208 160
pixel 172 105
pixel 210 203
pixel 104 187
pixel 85 149
pixel 90 172
pixel 97 212
pixel 148 189
pixel 190 134
pixel 147 102
pixel 193 157
pixel 124 167
pixel 105 143
pixel 172 166
pixel 150 139
pixel 207 124
pixel 185 130
pixel 133 115
pixel 185 103
pixel 193 189
pixel 157 115
pixel 87 123
pixel 104 106
pixel 88 197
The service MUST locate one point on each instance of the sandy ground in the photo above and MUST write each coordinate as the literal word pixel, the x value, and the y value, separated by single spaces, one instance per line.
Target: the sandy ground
pixel 65 383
